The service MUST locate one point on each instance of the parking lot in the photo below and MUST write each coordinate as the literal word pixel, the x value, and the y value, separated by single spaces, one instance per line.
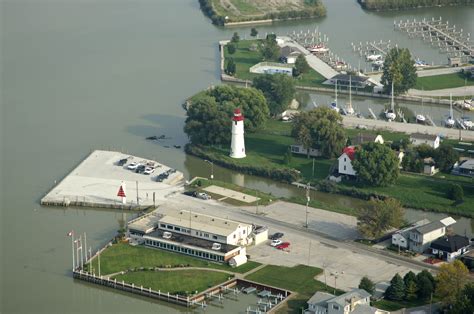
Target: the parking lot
pixel 96 181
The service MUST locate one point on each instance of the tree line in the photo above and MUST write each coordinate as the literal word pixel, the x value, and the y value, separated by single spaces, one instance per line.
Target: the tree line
pixel 408 4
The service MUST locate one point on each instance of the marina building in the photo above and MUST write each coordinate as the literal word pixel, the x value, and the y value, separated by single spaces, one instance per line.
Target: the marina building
pixel 203 236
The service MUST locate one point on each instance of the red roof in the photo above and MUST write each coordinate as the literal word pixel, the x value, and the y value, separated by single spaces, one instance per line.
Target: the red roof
pixel 237 115
pixel 350 151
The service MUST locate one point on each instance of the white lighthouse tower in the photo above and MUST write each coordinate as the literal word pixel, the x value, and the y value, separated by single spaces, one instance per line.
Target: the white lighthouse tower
pixel 237 146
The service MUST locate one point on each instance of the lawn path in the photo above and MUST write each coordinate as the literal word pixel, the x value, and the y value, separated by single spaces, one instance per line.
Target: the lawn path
pixel 188 268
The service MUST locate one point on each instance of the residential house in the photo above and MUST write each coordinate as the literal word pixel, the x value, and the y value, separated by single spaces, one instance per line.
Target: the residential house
pixel 465 168
pixel 299 149
pixel 450 246
pixel 345 161
pixel 421 138
pixel 429 166
pixel 363 138
pixel 356 301
pixel 400 238
pixel 288 54
pixel 421 237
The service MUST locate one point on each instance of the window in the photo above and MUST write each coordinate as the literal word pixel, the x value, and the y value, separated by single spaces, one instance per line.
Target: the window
pixel 169 227
pixel 335 307
pixel 345 168
pixel 244 231
pixel 177 228
pixel 214 237
pixel 235 236
pixel 344 159
pixel 162 225
pixel 206 235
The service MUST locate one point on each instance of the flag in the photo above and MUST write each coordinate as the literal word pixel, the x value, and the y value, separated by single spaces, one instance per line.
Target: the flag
pixel 70 233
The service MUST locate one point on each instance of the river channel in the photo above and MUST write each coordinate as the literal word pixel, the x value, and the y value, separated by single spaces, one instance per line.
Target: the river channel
pixel 78 75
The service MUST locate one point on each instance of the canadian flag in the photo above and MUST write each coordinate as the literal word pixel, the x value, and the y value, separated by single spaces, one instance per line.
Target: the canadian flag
pixel 70 233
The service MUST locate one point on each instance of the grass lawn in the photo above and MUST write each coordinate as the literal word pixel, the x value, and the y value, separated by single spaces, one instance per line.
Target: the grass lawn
pixel 388 305
pixel 298 279
pixel 244 59
pixel 175 282
pixel 442 81
pixel 123 256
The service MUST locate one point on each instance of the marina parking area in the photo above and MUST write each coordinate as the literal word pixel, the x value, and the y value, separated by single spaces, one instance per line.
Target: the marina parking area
pixel 95 182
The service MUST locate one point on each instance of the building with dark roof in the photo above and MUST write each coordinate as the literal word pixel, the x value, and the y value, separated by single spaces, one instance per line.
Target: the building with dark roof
pixel 363 138
pixel 345 80
pixel 288 54
pixel 449 247
pixel 465 168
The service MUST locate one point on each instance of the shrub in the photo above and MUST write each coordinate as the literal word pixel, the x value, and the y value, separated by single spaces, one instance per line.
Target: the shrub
pixel 455 193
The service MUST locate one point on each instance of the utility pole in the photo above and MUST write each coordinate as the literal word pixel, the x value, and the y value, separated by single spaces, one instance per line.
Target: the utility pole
pixel 138 202
pixel 85 244
pixel 98 261
pixel 307 203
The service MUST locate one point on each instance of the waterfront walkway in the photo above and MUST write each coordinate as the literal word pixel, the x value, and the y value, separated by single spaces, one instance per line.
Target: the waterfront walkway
pixel 467 91
pixel 408 128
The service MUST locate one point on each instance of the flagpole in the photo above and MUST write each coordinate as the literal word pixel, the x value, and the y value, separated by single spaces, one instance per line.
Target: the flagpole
pixel 72 246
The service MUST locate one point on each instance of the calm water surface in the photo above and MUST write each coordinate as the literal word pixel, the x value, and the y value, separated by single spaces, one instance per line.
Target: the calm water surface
pixel 86 74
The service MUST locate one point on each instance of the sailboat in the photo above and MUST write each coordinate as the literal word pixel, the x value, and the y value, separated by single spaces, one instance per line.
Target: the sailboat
pixel 421 117
pixel 349 110
pixel 390 113
pixel 333 105
pixel 449 122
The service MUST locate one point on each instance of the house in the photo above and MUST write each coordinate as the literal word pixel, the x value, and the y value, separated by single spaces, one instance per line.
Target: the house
pixel 299 149
pixel 345 80
pixel 465 168
pixel 362 138
pixel 356 301
pixel 400 238
pixel 288 54
pixel 450 246
pixel 345 161
pixel 421 138
pixel 429 166
pixel 203 236
pixel 421 237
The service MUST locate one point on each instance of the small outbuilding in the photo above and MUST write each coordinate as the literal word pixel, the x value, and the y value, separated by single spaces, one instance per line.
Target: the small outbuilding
pixel 428 139
pixel 238 260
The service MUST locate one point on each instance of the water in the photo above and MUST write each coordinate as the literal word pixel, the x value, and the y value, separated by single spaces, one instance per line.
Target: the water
pixel 80 75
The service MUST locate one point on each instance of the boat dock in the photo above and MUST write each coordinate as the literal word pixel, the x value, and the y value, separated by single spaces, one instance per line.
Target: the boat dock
pixel 372 114
pixel 441 34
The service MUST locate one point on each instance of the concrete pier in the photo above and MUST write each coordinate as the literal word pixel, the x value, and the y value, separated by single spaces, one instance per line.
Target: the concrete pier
pixel 96 181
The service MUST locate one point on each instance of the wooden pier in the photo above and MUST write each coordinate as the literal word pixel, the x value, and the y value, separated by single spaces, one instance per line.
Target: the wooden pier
pixel 440 34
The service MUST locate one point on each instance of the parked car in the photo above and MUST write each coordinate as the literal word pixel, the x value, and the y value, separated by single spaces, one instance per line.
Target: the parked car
pixel 283 246
pixel 133 165
pixel 203 196
pixel 190 193
pixel 122 162
pixel 148 170
pixel 276 242
pixel 277 235
pixel 140 169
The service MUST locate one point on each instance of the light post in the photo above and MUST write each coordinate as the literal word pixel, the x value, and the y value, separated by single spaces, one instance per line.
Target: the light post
pixel 335 274
pixel 307 203
pixel 212 167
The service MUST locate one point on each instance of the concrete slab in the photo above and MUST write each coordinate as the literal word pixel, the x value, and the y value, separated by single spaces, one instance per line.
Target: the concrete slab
pixel 96 180
pixel 242 197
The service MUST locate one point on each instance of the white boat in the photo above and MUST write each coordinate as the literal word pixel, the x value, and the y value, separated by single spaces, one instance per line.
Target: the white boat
pixel 378 63
pixel 349 109
pixel 374 57
pixel 467 122
pixel 420 64
pixel 421 117
pixel 390 113
pixel 333 105
pixel 319 48
pixel 449 121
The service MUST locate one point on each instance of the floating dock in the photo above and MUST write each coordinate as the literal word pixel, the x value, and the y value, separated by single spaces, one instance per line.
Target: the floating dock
pixel 96 180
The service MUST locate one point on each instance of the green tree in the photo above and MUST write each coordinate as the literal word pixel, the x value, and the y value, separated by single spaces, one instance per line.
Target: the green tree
pixel 376 164
pixel 426 284
pixel 235 38
pixel 209 116
pixel 230 67
pixel 287 157
pixel 411 289
pixel 305 139
pixel 465 301
pixel 451 279
pixel 379 216
pixel 455 192
pixel 325 130
pixel 253 32
pixel 396 290
pixel 367 284
pixel 412 162
pixel 410 276
pixel 269 49
pixel 231 48
pixel 446 157
pixel 425 151
pixel 301 66
pixel 279 89
pixel 399 68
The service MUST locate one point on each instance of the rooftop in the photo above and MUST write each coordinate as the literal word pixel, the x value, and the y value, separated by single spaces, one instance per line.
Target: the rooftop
pixel 320 298
pixel 347 78
pixel 468 164
pixel 450 243
pixel 345 298
pixel 189 240
pixel 423 136
pixel 289 50
pixel 363 138
pixel 432 226
pixel 349 151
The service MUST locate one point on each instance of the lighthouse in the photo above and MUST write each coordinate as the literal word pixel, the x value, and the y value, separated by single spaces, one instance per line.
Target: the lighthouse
pixel 237 146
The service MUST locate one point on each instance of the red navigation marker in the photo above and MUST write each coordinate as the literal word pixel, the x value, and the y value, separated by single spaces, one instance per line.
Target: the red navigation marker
pixel 121 192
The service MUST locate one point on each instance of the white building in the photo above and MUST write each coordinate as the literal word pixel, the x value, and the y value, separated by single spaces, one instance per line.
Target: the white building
pixel 237 146
pixel 299 149
pixel 362 138
pixel 400 237
pixel 345 161
pixel 428 139
pixel 356 301
pixel 207 237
